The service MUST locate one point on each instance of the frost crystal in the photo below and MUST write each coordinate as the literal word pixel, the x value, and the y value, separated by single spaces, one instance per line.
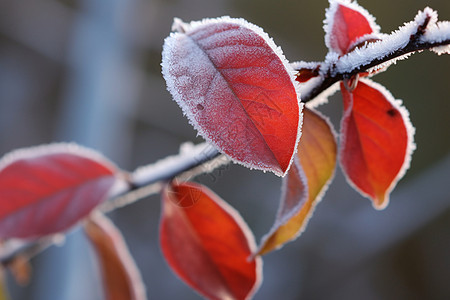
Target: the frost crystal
pixel 393 42
pixel 439 33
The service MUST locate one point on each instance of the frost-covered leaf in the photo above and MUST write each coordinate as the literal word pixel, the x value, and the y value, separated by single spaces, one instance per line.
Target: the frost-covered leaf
pixel 237 90
pixel 438 32
pixel 346 25
pixel 306 182
pixel 376 140
pixel 424 27
pixel 49 188
pixel 207 243
pixel 120 276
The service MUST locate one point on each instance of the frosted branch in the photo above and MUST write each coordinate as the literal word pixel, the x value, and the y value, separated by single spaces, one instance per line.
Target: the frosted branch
pixel 424 33
pixel 192 161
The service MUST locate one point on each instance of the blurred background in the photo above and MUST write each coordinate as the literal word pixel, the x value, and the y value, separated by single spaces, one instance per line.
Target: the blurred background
pixel 89 71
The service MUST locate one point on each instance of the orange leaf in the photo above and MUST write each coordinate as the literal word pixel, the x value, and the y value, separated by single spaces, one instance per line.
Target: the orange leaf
pixel 306 182
pixel 207 243
pixel 376 141
pixel 121 278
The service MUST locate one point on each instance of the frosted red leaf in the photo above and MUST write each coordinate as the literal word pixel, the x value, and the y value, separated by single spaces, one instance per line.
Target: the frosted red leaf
pixel 376 140
pixel 346 24
pixel 47 189
pixel 237 90
pixel 306 182
pixel 207 244
pixel 120 276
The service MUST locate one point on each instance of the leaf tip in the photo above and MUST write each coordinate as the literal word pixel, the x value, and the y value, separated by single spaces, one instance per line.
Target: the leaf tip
pixel 380 202
pixel 178 25
pixel 266 247
pixel 345 23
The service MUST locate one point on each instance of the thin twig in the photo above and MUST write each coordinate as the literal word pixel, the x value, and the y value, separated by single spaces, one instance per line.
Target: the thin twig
pixel 149 180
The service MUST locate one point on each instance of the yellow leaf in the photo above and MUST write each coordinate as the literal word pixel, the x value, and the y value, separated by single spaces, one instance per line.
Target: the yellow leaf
pixel 306 182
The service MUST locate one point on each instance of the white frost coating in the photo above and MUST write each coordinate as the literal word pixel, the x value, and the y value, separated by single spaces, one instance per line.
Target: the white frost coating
pixel 189 154
pixel 426 13
pixel 322 98
pixel 386 46
pixel 411 146
pixel 194 58
pixel 55 148
pixel 178 25
pixel 331 59
pixel 67 148
pixel 380 49
pixel 311 65
pixel 307 87
pixel 441 50
pixel 331 11
pixel 438 32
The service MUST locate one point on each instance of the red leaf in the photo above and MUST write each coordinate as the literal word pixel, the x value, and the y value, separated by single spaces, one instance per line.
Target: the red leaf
pixel 207 243
pixel 47 189
pixel 376 140
pixel 346 23
pixel 306 182
pixel 121 278
pixel 237 89
pixel 305 73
